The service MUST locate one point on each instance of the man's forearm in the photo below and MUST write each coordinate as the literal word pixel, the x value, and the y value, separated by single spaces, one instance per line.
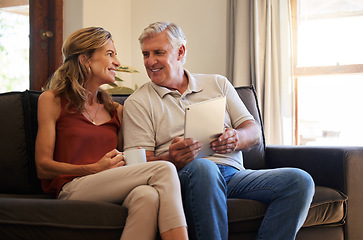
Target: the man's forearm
pixel 150 156
pixel 249 135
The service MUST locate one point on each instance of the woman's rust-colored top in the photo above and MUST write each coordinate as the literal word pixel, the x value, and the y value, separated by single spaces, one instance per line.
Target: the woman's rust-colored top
pixel 79 141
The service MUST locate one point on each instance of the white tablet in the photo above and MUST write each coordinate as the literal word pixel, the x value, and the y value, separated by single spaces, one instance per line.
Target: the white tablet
pixel 204 122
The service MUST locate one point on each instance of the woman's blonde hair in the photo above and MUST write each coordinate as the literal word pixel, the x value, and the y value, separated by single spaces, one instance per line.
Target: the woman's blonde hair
pixel 70 78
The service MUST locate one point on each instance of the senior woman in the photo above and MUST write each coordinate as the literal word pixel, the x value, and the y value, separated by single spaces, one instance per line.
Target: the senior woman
pixel 77 156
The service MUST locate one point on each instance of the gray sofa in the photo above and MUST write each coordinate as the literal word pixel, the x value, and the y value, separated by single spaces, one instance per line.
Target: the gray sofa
pixel 27 213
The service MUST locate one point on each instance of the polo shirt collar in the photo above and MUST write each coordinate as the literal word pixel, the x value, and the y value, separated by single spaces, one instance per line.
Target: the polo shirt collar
pixel 193 86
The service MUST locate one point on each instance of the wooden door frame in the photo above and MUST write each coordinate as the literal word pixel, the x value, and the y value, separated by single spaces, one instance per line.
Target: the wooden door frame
pixel 45 54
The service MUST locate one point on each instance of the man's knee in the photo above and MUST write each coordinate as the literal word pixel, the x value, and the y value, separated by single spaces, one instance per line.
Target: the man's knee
pixel 201 168
pixel 301 182
pixel 307 183
pixel 203 173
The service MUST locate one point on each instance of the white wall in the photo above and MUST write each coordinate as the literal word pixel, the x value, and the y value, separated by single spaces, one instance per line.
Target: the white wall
pixel 241 73
pixel 204 23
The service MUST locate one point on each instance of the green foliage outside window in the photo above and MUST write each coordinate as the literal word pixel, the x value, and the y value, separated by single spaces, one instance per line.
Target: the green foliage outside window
pixel 14 52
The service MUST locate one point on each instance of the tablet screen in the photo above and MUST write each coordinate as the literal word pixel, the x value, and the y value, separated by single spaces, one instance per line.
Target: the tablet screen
pixel 204 122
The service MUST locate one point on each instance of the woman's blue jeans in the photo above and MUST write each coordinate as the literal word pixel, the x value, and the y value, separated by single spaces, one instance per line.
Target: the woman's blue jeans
pixel 206 186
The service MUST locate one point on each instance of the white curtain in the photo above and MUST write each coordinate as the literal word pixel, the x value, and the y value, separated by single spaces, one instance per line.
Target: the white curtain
pixel 270 61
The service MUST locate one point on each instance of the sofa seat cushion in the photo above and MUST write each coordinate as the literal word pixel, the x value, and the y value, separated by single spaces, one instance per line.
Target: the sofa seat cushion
pixel 327 208
pixel 60 219
pixel 245 215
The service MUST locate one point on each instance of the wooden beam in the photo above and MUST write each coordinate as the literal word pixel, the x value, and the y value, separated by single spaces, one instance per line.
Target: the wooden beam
pixel 327 70
pixel 13 3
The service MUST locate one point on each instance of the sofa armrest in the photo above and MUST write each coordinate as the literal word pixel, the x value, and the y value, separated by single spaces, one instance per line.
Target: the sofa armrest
pixel 327 165
pixel 340 168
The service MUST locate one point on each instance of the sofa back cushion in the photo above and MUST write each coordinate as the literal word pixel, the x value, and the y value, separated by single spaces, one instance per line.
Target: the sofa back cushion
pixel 16 172
pixel 30 106
pixel 253 158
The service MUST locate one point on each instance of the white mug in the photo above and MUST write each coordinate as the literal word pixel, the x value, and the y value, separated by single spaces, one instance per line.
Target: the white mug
pixel 135 156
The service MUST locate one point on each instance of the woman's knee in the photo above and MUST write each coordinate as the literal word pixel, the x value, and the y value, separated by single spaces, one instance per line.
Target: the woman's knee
pixel 167 170
pixel 166 167
pixel 142 196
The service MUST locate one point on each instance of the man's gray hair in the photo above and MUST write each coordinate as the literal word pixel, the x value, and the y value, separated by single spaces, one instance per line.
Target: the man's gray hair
pixel 175 34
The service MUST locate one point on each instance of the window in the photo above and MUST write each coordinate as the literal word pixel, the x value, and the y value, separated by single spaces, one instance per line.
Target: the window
pixel 14 46
pixel 328 70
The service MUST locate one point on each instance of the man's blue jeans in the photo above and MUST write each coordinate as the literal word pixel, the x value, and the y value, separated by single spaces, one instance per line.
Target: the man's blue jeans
pixel 206 186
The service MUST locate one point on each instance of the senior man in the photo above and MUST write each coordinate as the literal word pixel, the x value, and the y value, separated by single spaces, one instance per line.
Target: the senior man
pixel 153 118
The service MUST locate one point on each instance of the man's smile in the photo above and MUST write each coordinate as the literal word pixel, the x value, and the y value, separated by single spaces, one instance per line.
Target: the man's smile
pixel 156 69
